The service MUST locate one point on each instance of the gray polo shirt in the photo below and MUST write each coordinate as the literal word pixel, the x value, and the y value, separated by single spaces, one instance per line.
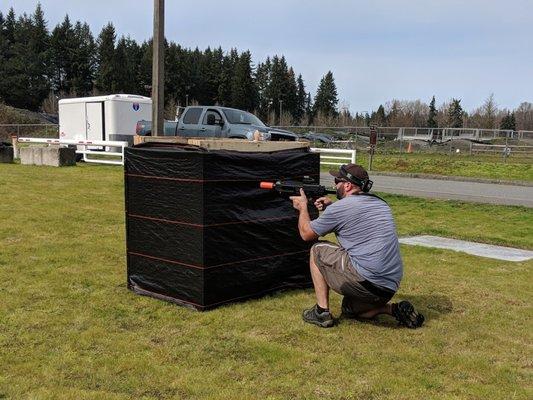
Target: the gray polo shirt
pixel 365 228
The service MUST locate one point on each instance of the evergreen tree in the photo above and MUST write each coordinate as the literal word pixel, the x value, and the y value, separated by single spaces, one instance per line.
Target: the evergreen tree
pixel 10 26
pixel 301 99
pixel 455 114
pixel 63 48
pixel 508 122
pixel 262 80
pixel 24 82
pixel 244 93
pixel 309 106
pixel 126 61
pixel 7 38
pixel 16 80
pixel 195 86
pixel 432 116
pixel 38 60
pixel 144 71
pixel 275 92
pixel 226 77
pixel 368 119
pixel 290 104
pixel 326 96
pixel 282 89
pixel 174 88
pixel 83 61
pixel 211 71
pixel 3 51
pixel 106 71
pixel 379 118
pixel 23 59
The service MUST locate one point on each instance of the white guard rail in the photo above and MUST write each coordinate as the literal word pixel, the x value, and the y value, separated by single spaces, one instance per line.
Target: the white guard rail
pixel 325 156
pixel 86 152
pixel 504 149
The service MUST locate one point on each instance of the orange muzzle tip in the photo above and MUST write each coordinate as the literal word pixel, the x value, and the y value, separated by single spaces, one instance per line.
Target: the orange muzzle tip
pixel 266 185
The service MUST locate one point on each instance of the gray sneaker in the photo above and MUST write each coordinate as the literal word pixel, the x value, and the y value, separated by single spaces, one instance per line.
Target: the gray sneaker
pixel 312 316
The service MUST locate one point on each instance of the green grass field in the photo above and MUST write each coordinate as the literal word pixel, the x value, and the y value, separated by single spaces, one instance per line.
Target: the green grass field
pixel 479 166
pixel 69 328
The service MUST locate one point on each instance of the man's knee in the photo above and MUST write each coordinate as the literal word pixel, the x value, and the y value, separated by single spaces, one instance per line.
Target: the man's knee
pixel 314 253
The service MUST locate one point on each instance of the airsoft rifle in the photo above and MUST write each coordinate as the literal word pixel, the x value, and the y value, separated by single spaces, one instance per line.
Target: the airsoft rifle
pixel 292 188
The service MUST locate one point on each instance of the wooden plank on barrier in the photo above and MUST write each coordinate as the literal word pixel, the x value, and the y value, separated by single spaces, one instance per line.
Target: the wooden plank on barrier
pixel 225 144
pixel 159 139
pixel 246 145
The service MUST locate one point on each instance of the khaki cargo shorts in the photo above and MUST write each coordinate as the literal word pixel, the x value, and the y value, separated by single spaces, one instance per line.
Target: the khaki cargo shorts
pixel 341 276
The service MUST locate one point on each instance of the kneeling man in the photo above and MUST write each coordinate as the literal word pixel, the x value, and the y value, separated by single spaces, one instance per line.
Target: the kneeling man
pixel 366 266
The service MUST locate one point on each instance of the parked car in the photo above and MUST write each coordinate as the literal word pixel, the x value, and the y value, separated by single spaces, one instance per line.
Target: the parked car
pixel 323 138
pixel 218 122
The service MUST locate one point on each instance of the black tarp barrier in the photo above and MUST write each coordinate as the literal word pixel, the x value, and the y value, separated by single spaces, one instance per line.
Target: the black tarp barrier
pixel 199 230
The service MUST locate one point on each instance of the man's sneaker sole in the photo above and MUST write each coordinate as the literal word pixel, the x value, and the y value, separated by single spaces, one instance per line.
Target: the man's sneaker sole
pixel 406 315
pixel 325 324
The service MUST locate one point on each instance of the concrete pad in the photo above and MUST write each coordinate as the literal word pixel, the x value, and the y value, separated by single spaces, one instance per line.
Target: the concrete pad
pixel 476 249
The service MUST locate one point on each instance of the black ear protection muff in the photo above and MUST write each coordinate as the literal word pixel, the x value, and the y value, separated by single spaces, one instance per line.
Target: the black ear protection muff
pixel 364 184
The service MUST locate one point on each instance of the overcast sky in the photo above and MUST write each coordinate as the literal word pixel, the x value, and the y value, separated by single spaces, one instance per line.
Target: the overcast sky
pixel 377 50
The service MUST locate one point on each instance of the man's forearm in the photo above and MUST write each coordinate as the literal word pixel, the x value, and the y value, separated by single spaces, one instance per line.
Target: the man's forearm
pixel 304 225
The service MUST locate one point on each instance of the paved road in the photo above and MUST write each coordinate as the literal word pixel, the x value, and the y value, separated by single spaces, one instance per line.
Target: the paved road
pixel 455 190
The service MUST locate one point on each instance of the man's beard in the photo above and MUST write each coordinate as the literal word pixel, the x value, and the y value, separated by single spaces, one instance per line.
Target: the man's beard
pixel 340 192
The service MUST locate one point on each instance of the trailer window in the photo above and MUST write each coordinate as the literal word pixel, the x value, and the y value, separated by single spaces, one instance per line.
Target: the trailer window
pixel 192 116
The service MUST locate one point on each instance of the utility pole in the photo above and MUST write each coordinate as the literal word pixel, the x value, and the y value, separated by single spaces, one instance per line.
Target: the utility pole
pixel 158 68
pixel 280 111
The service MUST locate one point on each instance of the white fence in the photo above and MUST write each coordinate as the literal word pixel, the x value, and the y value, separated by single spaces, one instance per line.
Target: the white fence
pixel 504 150
pixel 335 155
pixel 416 133
pixel 90 148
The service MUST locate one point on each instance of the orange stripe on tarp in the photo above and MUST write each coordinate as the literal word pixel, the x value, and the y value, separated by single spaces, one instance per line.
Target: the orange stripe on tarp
pixel 166 220
pixel 170 221
pixel 260 258
pixel 165 260
pixel 217 265
pixel 211 180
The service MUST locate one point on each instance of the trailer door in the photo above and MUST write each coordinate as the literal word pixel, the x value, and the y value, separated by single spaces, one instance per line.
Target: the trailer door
pixel 95 120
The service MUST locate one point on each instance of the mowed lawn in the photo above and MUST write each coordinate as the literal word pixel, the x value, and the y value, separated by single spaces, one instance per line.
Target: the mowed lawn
pixel 515 168
pixel 69 328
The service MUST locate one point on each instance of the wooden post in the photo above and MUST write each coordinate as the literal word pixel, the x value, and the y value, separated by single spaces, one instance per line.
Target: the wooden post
pixel 373 142
pixel 14 142
pixel 158 68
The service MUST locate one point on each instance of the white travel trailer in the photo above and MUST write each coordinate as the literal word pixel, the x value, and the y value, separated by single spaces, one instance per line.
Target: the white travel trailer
pixel 113 117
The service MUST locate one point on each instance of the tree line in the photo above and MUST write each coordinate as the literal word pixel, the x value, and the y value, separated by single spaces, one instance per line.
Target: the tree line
pixel 39 66
pixel 450 114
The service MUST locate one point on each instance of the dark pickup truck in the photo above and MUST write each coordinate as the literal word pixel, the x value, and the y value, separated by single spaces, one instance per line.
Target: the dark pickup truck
pixel 218 122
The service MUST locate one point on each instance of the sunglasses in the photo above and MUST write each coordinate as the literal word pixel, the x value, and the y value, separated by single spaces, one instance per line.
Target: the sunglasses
pixel 337 180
